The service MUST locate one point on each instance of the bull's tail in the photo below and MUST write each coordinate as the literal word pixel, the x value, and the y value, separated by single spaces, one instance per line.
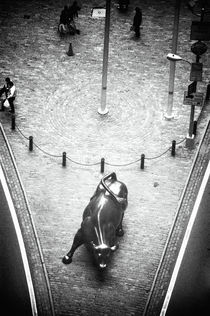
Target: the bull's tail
pixel 112 176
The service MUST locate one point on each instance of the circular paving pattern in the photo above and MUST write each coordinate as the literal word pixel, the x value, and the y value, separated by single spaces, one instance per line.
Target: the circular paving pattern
pixel 73 117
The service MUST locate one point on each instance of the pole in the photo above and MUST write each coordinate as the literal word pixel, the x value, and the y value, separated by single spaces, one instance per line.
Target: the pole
pixel 64 159
pixel 191 120
pixel 30 143
pixel 190 138
pixel 13 122
pixel 168 114
pixel 173 148
pixel 142 161
pixel 103 109
pixel 102 165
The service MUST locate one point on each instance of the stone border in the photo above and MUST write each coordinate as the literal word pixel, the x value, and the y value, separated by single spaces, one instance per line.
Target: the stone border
pixel 173 244
pixel 33 248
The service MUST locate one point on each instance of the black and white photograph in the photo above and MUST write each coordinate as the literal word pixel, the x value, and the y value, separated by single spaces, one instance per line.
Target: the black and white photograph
pixel 104 157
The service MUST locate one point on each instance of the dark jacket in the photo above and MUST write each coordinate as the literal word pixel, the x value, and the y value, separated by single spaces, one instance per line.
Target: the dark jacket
pixel 64 17
pixel 73 10
pixel 137 20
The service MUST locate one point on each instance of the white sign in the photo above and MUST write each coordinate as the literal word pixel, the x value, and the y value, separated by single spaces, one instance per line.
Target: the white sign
pixel 98 13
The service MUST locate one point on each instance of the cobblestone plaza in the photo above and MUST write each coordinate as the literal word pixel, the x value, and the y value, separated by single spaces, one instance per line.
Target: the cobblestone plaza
pixel 57 101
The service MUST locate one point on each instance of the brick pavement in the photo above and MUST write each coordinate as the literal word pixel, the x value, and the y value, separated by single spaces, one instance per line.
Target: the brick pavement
pixel 57 103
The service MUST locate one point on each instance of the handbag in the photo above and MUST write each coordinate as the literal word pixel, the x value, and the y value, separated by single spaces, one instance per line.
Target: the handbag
pixel 6 103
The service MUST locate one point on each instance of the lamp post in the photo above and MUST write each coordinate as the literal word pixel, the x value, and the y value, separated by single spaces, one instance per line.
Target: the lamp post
pixel 198 48
pixel 103 109
pixel 174 57
pixel 190 136
pixel 169 115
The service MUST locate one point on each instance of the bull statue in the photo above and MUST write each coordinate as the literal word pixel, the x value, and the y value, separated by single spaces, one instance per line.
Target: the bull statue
pixel 102 221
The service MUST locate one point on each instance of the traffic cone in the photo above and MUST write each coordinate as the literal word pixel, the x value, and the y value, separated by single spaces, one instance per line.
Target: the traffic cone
pixel 70 51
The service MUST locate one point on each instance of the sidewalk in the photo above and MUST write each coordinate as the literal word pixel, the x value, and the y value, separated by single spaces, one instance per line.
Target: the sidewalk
pixel 57 102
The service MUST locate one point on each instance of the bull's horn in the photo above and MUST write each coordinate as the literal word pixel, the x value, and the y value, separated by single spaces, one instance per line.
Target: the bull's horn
pixel 113 248
pixel 93 244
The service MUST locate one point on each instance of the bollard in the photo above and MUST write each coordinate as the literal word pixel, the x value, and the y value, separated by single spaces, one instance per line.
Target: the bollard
pixel 30 143
pixel 142 161
pixel 173 148
pixel 102 165
pixel 13 122
pixel 194 128
pixel 208 92
pixel 64 159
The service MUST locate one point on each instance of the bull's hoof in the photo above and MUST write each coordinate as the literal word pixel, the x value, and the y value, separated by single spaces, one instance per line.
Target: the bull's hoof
pixel 66 259
pixel 120 232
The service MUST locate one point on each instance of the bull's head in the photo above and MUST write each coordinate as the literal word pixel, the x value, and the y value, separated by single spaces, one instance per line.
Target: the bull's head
pixel 102 253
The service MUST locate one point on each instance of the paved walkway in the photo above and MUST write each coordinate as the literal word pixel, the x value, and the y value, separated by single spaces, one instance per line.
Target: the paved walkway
pixel 57 103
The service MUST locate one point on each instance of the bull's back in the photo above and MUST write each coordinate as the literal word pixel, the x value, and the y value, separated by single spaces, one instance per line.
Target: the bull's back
pixel 104 213
pixel 105 210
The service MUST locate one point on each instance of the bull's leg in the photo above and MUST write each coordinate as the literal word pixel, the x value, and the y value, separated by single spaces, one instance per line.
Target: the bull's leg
pixel 78 241
pixel 119 230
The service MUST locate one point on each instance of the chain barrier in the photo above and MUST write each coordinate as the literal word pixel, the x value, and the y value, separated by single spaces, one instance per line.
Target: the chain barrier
pixel 55 156
pixel 102 162
pixel 151 158
pixel 123 165
pixel 83 164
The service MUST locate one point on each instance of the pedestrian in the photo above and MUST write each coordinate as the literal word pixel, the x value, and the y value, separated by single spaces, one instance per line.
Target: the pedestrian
pixel 9 90
pixel 11 96
pixel 73 13
pixel 64 20
pixel 73 10
pixel 67 16
pixel 137 20
pixel 64 15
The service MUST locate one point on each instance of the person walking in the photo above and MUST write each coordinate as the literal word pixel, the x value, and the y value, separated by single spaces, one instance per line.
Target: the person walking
pixel 73 14
pixel 73 10
pixel 67 23
pixel 10 92
pixel 64 20
pixel 11 96
pixel 137 20
pixel 64 17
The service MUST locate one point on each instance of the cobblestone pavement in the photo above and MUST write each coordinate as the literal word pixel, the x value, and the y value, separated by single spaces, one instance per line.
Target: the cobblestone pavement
pixel 57 101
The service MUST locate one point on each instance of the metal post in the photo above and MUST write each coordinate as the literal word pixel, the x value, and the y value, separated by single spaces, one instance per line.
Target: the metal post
pixel 13 122
pixel 103 109
pixel 173 148
pixel 191 120
pixel 142 161
pixel 30 143
pixel 102 165
pixel 208 92
pixel 194 128
pixel 64 159
pixel 168 114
